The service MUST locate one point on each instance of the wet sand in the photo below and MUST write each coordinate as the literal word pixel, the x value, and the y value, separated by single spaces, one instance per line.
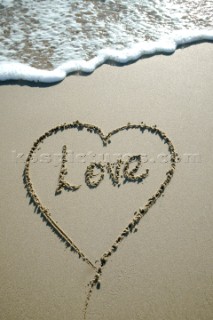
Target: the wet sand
pixel 162 271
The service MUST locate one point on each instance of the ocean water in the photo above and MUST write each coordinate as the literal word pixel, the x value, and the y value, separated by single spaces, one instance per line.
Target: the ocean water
pixel 44 40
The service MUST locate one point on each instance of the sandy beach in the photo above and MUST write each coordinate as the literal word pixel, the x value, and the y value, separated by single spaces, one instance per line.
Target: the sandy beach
pixel 162 271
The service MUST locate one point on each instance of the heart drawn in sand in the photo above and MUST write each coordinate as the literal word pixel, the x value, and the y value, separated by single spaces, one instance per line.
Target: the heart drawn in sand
pixel 46 214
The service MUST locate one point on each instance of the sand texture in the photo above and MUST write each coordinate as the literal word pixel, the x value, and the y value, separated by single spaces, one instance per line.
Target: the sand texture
pixel 149 262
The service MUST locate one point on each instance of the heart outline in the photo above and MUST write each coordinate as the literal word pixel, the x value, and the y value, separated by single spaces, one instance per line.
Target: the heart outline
pixel 46 214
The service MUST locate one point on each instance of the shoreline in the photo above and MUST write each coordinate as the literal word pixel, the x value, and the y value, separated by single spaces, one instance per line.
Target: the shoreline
pixel 23 73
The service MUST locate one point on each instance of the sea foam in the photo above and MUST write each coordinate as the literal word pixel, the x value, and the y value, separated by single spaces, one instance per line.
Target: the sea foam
pixel 19 71
pixel 46 40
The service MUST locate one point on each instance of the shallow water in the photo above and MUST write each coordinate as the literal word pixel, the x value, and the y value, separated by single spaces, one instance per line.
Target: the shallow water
pixel 68 35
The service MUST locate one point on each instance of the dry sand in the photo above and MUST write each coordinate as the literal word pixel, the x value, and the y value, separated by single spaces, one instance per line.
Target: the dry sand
pixel 163 271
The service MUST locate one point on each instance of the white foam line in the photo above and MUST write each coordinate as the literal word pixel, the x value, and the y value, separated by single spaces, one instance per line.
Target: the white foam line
pixel 19 71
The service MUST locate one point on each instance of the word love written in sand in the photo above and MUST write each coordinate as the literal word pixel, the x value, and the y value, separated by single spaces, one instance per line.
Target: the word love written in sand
pixel 92 179
pixel 92 182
